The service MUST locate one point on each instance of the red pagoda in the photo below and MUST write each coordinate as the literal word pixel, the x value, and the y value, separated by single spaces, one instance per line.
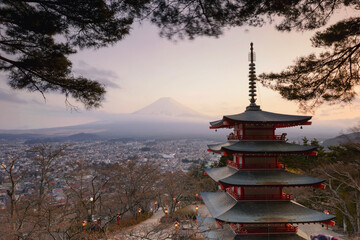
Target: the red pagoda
pixel 252 201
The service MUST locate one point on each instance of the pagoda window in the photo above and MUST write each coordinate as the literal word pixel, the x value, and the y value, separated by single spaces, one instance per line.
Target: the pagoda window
pixel 237 161
pixel 260 162
pixel 238 131
pixel 237 158
pixel 253 132
pixel 261 193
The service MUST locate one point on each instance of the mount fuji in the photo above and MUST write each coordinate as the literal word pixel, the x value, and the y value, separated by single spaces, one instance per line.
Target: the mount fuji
pixel 164 118
pixel 168 107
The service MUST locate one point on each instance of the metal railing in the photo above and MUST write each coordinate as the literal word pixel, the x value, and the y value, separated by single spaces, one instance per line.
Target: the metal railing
pixel 232 164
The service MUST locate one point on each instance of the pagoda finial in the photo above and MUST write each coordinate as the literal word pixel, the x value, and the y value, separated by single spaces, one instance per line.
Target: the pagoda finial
pixel 252 83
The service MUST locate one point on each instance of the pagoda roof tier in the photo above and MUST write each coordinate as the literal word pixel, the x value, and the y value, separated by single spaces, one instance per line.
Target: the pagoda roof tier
pixel 210 230
pixel 271 178
pixel 260 147
pixel 225 208
pixel 259 116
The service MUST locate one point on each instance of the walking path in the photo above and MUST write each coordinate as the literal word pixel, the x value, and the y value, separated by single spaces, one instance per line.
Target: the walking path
pixel 154 219
pixel 147 228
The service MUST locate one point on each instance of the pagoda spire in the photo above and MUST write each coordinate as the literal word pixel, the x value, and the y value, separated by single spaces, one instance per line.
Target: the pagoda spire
pixel 252 83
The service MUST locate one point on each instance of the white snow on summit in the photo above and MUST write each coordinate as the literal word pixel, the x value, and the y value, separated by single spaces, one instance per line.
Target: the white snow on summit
pixel 168 107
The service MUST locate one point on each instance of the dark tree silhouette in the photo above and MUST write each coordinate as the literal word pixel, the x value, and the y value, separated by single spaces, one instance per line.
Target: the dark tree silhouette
pixel 330 77
pixel 37 36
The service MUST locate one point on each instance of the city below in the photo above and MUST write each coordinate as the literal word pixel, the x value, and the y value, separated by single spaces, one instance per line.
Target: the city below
pixel 169 154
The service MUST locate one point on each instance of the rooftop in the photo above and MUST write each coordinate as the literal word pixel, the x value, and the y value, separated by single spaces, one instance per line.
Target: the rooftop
pixel 259 116
pixel 280 177
pixel 260 147
pixel 225 208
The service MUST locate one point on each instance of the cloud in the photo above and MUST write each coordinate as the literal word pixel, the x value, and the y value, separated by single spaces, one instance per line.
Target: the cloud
pixel 345 110
pixel 10 97
pixel 106 77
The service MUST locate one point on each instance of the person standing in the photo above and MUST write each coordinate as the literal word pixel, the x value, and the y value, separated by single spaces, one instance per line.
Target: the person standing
pixel 322 237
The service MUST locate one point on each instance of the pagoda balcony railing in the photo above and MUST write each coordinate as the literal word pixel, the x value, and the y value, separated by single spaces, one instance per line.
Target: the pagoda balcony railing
pixel 287 228
pixel 232 164
pixel 284 196
pixel 264 166
pixel 233 194
pixel 260 138
pixel 256 166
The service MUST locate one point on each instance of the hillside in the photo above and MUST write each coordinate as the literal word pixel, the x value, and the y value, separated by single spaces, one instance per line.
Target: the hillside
pixel 342 139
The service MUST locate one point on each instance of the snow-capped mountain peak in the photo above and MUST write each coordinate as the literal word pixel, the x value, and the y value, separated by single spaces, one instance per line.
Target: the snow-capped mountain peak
pixel 168 107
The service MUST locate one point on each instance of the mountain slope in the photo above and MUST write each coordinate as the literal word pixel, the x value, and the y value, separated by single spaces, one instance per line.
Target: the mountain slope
pixel 342 139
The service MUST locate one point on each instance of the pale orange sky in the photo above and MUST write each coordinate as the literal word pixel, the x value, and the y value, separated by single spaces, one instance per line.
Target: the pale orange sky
pixel 208 75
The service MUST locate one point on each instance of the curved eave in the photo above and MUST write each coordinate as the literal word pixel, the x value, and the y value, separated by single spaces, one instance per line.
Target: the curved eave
pixel 230 124
pixel 254 147
pixel 226 209
pixel 263 117
pixel 260 178
pixel 217 124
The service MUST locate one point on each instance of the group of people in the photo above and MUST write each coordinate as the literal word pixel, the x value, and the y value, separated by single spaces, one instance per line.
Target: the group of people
pixel 323 237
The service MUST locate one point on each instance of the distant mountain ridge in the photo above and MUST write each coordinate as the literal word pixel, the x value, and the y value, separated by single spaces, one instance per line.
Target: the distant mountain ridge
pixel 342 139
pixel 165 118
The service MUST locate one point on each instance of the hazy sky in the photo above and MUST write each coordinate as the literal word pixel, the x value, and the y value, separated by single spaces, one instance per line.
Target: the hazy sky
pixel 208 75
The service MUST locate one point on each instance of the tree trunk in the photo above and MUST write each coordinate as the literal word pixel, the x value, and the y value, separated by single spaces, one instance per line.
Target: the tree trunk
pixel 357 231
